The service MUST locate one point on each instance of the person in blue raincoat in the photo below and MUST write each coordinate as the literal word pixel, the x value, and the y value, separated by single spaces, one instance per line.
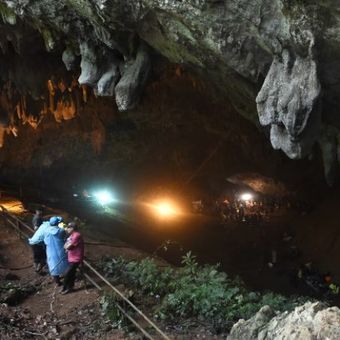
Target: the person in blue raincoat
pixel 54 238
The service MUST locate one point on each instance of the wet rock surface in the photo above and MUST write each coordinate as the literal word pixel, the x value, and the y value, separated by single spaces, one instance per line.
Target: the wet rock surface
pixel 284 53
pixel 310 321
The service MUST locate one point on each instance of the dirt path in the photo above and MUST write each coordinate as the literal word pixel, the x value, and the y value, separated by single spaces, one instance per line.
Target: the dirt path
pixel 35 308
pixel 44 313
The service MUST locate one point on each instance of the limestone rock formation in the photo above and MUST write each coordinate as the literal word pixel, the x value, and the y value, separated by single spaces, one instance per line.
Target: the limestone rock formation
pixel 90 65
pixel 310 321
pixel 281 54
pixel 69 59
pixel 133 78
pixel 286 103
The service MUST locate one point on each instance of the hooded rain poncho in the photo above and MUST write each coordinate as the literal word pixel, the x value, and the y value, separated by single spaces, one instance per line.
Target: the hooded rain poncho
pixel 56 255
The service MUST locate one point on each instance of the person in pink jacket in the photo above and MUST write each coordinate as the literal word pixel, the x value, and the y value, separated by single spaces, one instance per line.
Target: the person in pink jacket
pixel 75 254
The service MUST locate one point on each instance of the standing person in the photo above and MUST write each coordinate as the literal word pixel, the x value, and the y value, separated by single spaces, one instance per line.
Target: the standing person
pixel 37 219
pixel 75 254
pixel 38 246
pixel 56 256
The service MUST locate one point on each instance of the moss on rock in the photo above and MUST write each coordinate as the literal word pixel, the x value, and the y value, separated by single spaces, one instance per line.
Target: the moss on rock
pixel 7 14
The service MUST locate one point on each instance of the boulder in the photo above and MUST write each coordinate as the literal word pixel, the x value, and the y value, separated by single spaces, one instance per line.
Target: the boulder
pixel 311 321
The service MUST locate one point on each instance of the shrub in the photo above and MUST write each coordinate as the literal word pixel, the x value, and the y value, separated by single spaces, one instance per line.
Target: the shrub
pixel 202 292
pixel 109 308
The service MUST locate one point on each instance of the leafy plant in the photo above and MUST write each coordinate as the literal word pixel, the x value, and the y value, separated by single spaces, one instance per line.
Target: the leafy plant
pixel 195 291
pixel 190 264
pixel 149 277
pixel 108 306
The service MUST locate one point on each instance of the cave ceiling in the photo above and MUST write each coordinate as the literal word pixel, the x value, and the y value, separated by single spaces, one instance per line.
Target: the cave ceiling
pixel 277 61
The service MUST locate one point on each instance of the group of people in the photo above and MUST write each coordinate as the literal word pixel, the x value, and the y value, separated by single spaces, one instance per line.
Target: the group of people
pixel 232 208
pixel 59 245
pixel 316 282
pixel 239 211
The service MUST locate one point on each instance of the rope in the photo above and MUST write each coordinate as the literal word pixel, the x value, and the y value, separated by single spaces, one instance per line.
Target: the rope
pixel 204 162
pixel 15 268
pixel 105 244
pixel 134 322
pixel 127 300
pixel 53 299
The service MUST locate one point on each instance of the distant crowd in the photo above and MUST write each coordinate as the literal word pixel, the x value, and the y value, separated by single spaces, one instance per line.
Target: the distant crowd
pixel 235 209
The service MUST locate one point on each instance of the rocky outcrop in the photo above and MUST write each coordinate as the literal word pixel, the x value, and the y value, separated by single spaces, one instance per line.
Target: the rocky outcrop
pixel 283 54
pixel 287 101
pixel 134 76
pixel 310 321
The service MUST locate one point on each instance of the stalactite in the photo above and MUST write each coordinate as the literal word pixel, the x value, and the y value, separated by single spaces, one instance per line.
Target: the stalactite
pixel 65 110
pixel 18 109
pixel 84 89
pixel 51 92
pixel 63 99
pixel 14 130
pixel 2 136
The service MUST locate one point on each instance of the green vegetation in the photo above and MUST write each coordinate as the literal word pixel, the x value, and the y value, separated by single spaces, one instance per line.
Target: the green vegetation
pixel 194 291
pixel 7 14
pixel 110 310
pixel 48 33
pixel 85 9
pixel 48 38
pixel 174 40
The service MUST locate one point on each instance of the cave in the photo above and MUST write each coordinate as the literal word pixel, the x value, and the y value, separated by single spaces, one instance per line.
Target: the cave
pixel 207 127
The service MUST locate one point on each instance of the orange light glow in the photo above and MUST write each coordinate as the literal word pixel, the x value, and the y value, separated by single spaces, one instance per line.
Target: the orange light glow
pixel 165 209
pixel 12 205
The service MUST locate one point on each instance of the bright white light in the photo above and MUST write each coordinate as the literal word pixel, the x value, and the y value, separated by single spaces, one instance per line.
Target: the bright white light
pixel 246 197
pixel 104 197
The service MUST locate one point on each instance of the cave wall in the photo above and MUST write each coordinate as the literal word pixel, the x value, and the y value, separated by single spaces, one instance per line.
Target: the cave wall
pixel 178 136
pixel 276 61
